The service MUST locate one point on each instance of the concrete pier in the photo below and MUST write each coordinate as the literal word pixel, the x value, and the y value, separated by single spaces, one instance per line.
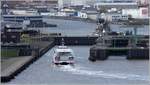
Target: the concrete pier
pixel 17 65
pixel 138 53
pixel 21 63
pixel 78 40
pixel 102 53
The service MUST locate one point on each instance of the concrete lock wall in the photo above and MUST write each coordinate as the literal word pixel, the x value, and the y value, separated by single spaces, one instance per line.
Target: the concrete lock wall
pixel 18 70
pixel 131 53
pixel 138 53
pixel 76 40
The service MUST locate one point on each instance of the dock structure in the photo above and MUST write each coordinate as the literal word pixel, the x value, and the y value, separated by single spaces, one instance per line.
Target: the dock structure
pixel 28 20
pixel 21 18
pixel 117 46
pixel 132 45
pixel 76 40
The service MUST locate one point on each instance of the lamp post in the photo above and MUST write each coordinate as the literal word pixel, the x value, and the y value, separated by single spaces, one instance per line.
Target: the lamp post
pixel 103 34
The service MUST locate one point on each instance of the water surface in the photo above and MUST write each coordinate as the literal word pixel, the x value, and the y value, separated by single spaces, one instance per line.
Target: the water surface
pixel 115 70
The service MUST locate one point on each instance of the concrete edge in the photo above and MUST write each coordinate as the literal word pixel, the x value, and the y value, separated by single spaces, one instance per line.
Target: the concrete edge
pixel 8 78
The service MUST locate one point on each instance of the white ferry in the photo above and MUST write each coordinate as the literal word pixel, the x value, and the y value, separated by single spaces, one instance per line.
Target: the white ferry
pixel 63 56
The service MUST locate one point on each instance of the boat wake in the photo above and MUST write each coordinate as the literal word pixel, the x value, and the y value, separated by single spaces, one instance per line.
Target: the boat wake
pixel 85 71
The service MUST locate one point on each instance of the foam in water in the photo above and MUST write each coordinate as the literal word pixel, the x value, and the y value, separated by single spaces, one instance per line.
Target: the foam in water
pixel 83 71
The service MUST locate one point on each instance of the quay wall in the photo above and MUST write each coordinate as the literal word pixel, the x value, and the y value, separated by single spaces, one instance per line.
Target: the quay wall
pixel 76 40
pixel 27 63
pixel 71 18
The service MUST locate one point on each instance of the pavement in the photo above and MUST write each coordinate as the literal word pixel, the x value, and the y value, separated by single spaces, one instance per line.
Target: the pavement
pixel 10 65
